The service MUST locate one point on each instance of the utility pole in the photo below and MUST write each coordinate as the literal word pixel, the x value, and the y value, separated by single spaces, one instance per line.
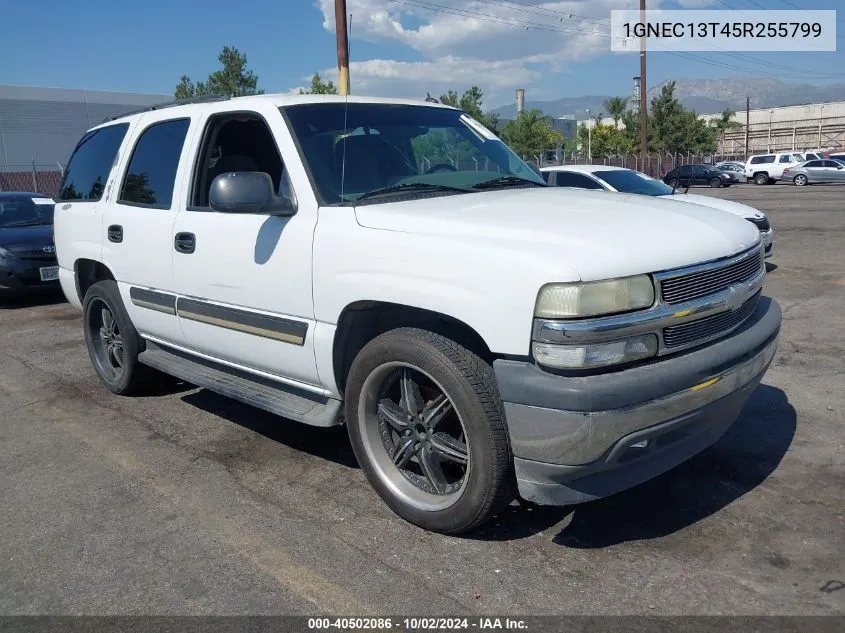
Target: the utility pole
pixel 342 47
pixel 643 90
pixel 747 119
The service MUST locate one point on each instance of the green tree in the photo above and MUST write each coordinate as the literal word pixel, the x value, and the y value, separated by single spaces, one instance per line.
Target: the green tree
pixel 233 80
pixel 676 129
pixel 615 107
pixel 531 133
pixel 605 139
pixel 470 102
pixel 320 87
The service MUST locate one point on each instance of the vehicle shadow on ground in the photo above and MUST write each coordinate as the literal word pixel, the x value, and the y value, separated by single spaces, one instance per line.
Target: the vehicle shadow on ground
pixel 34 300
pixel 739 462
pixel 327 443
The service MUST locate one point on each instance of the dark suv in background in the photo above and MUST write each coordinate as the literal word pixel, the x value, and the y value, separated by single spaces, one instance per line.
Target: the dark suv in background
pixel 27 252
pixel 698 175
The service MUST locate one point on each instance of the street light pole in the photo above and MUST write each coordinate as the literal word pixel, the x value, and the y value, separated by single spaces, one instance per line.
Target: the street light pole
pixel 589 139
pixel 821 117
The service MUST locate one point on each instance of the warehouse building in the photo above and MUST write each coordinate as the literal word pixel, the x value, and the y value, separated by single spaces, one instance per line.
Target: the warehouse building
pixel 39 128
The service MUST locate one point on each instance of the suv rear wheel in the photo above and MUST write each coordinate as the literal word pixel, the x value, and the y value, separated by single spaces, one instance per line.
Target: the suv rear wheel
pixel 761 178
pixel 428 428
pixel 112 341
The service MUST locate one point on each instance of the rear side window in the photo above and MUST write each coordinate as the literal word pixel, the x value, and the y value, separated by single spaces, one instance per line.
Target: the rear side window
pixel 785 159
pixel 759 160
pixel 569 179
pixel 88 170
pixel 151 173
pixel 547 176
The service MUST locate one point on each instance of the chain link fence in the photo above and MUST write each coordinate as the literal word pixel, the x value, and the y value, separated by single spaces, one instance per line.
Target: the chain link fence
pixel 654 164
pixel 34 176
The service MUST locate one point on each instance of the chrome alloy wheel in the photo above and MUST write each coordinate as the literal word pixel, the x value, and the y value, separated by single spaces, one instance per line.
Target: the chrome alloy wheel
pixel 414 436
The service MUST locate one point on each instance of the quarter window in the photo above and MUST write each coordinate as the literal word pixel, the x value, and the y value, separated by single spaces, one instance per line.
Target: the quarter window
pixel 151 173
pixel 89 167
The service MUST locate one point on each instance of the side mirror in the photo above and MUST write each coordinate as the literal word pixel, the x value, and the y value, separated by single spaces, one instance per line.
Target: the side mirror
pixel 248 192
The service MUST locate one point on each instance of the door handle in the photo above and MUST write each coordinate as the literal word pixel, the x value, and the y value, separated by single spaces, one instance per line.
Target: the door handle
pixel 185 243
pixel 115 233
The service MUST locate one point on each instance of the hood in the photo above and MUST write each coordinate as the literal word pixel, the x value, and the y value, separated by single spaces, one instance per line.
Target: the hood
pixel 737 208
pixel 599 234
pixel 39 235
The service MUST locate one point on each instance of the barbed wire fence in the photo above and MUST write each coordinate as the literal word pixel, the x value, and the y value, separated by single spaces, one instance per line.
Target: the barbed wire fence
pixel 44 178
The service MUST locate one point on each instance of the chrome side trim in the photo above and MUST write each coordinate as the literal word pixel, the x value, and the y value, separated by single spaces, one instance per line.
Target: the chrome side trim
pixel 648 321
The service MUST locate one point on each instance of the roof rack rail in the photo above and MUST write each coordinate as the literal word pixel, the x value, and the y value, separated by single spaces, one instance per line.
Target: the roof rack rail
pixel 170 104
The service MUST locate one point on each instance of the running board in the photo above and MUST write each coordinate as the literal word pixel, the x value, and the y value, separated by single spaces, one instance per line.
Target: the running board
pixel 260 392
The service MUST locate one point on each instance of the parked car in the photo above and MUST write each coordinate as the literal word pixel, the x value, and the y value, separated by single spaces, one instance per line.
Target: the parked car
pixel 624 180
pixel 479 332
pixel 839 156
pixel 27 253
pixel 814 172
pixel 686 175
pixel 734 170
pixel 765 169
pixel 732 165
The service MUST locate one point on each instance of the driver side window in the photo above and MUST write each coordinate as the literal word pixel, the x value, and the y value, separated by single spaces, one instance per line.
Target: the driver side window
pixel 236 142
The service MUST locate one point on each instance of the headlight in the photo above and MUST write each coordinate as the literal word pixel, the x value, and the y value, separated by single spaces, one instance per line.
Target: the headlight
pixel 559 301
pixel 592 355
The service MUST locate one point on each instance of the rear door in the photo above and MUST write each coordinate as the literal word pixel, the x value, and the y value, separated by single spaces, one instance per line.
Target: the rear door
pixel 815 171
pixel 834 170
pixel 138 222
pixel 77 223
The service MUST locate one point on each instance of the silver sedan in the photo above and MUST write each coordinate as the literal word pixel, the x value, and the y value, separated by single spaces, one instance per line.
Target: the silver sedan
pixel 815 171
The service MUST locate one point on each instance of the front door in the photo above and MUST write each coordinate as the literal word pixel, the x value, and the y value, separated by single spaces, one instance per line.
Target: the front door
pixel 138 223
pixel 244 280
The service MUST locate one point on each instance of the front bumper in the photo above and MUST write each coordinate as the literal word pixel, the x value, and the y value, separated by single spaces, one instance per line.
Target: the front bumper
pixel 580 438
pixel 22 276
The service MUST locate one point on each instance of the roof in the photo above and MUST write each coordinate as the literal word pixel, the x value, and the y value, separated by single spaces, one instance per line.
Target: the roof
pixel 280 99
pixel 584 169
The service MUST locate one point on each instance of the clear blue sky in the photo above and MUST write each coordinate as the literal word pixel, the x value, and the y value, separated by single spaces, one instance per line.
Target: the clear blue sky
pixel 145 47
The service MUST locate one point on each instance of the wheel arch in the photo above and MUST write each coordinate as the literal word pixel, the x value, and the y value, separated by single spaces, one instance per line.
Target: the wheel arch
pixel 361 321
pixel 87 272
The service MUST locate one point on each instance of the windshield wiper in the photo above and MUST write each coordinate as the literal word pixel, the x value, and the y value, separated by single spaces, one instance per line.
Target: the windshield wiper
pixel 409 187
pixel 34 222
pixel 507 181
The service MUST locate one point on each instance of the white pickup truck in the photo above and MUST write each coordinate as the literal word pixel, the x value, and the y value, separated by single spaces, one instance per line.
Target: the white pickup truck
pixel 391 264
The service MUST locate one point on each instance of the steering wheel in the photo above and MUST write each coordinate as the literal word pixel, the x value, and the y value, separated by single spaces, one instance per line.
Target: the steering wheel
pixel 440 167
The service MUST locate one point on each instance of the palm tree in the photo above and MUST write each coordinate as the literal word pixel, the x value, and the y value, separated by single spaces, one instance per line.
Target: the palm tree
pixel 616 108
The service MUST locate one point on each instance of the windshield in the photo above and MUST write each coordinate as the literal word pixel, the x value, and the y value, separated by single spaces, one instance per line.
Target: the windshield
pixel 630 181
pixel 25 211
pixel 413 150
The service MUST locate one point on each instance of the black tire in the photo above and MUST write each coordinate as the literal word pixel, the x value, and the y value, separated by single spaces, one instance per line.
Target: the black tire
pixel 715 183
pixel 132 377
pixel 761 178
pixel 800 180
pixel 468 383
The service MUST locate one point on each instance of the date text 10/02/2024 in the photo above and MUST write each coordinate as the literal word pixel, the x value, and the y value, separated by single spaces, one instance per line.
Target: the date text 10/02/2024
pixel 417 623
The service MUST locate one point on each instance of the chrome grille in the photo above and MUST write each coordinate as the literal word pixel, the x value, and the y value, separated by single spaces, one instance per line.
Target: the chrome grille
pixel 687 333
pixel 707 282
pixel 762 223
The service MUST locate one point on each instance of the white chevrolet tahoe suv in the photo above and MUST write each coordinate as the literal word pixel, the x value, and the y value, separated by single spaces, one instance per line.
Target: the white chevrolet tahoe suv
pixel 392 265
pixel 767 169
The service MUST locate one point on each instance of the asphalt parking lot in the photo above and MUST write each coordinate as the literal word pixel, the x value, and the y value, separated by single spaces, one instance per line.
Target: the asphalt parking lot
pixel 186 503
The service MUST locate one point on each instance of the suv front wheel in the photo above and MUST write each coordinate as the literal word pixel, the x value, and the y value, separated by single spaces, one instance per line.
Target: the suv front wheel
pixel 428 428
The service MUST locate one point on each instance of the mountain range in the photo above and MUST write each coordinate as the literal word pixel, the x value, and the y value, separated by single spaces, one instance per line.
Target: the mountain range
pixel 705 96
